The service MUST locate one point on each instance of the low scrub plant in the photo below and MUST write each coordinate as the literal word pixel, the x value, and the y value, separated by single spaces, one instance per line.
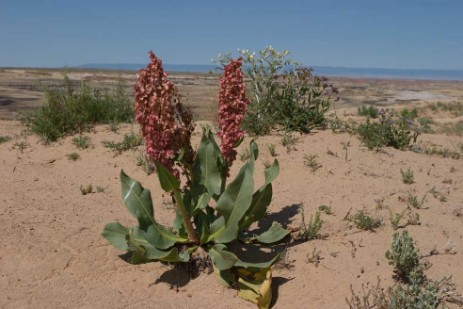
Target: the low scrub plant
pixel 69 109
pixel 86 189
pixel 129 141
pixel 310 230
pixel 81 141
pixel 272 150
pixel 368 111
pixel 284 93
pixel 4 139
pixel 407 176
pixel 21 146
pixel 310 160
pixel 391 131
pixel 73 156
pixel 211 213
pixel 362 220
pixel 415 202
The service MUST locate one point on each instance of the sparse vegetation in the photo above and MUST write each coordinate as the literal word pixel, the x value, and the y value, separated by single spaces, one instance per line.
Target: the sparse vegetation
pixel 368 111
pixel 362 220
pixel 413 201
pixel 390 131
pixel 311 230
pixel 21 146
pixel 73 156
pixel 69 109
pixel 288 140
pixel 130 141
pixel 407 176
pixel 81 141
pixel 4 139
pixel 310 160
pixel 144 162
pixel 86 189
pixel 272 150
pixel 325 209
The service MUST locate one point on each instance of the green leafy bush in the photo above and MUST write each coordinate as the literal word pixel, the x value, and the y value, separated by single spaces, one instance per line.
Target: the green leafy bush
pixel 390 131
pixel 69 109
pixel 284 94
pixel 368 111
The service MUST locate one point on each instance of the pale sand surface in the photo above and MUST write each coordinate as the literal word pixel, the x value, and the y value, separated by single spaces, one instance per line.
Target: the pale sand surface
pixel 52 254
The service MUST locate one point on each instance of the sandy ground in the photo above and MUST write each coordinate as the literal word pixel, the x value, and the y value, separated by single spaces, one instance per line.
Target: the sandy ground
pixel 52 254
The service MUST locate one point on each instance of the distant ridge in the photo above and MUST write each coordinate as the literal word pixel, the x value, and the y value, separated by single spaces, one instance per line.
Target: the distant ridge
pixel 320 70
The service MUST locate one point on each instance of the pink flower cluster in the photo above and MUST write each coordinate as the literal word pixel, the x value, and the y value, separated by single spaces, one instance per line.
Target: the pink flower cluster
pixel 232 107
pixel 160 115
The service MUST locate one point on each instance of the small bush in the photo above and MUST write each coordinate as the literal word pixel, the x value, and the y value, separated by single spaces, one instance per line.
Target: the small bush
pixel 368 111
pixel 69 109
pixel 86 189
pixel 73 156
pixel 414 202
pixel 21 146
pixel 81 141
pixel 129 141
pixel 4 139
pixel 271 150
pixel 312 229
pixel 310 160
pixel 364 221
pixel 390 131
pixel 405 258
pixel 407 176
pixel 410 114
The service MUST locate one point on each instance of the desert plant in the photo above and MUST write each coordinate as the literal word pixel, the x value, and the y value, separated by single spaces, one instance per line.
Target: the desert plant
pixel 368 111
pixel 362 220
pixel 407 176
pixel 21 146
pixel 326 209
pixel 86 189
pixel 272 150
pixel 310 230
pixel 144 162
pixel 390 131
pixel 396 218
pixel 284 93
pixel 4 139
pixel 129 141
pixel 288 141
pixel 69 109
pixel 200 231
pixel 73 156
pixel 405 258
pixel 414 202
pixel 409 113
pixel 310 160
pixel 81 141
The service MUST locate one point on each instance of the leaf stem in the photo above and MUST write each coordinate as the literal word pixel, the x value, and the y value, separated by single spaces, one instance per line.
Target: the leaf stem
pixel 186 217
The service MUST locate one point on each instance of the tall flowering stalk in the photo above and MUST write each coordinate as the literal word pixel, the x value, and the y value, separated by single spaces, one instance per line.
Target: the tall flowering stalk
pixel 165 125
pixel 232 107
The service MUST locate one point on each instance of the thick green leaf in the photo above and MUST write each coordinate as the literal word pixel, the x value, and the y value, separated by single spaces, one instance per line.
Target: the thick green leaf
pixel 274 234
pixel 140 244
pixel 262 198
pixel 167 180
pixel 207 168
pixel 203 201
pixel 221 258
pixel 137 200
pixel 116 234
pixel 234 203
pixel 257 266
pixel 178 225
pixel 202 223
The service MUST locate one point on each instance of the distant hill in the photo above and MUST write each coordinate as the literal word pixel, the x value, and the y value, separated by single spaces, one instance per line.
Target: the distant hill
pixel 320 70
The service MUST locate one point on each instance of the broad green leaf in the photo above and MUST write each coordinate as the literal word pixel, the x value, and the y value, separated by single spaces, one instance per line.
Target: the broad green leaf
pixel 203 201
pixel 160 237
pixel 233 204
pixel 257 266
pixel 116 234
pixel 137 200
pixel 207 170
pixel 178 225
pixel 202 223
pixel 139 243
pixel 221 258
pixel 262 198
pixel 274 234
pixel 166 178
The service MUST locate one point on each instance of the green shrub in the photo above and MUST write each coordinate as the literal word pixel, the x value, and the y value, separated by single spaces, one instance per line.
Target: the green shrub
pixel 407 176
pixel 81 141
pixel 368 111
pixel 390 131
pixel 311 230
pixel 364 221
pixel 4 139
pixel 69 109
pixel 130 141
pixel 409 113
pixel 73 156
pixel 283 93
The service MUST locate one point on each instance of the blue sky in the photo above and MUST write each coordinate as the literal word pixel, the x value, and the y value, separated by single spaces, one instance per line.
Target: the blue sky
pixel 407 34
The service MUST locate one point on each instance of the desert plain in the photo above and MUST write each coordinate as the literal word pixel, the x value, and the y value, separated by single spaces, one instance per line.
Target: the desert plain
pixel 52 254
